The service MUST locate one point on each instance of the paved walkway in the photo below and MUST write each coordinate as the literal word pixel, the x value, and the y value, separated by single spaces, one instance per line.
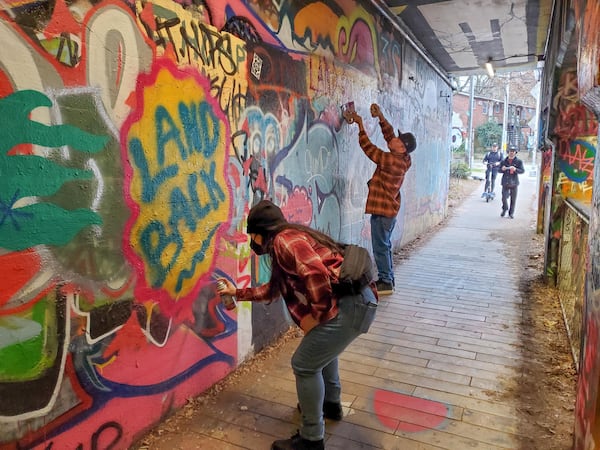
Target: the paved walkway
pixel 432 373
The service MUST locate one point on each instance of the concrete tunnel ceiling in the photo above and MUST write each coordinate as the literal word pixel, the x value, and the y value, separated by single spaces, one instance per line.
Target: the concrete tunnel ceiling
pixel 462 35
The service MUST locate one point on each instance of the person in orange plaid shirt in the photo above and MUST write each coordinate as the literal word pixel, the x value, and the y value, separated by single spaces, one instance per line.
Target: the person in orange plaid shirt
pixel 383 201
pixel 305 270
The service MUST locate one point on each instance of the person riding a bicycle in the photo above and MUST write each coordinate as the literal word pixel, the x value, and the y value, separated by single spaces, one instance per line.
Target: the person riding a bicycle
pixel 492 161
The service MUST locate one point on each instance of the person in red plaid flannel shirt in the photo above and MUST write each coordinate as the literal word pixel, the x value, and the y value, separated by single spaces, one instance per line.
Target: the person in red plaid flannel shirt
pixel 383 200
pixel 305 269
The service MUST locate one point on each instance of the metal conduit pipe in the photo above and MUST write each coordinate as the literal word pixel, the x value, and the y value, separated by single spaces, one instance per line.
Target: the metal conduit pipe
pixel 385 12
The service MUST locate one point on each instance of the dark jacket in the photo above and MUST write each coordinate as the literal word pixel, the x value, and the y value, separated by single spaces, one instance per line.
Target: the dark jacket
pixel 492 158
pixel 511 179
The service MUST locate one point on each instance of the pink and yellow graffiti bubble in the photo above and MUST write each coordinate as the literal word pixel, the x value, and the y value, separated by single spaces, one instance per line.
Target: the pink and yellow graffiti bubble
pixel 177 143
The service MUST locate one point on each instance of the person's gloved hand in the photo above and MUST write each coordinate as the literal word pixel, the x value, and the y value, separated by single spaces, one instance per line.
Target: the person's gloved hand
pixel 355 117
pixel 375 110
pixel 348 116
pixel 230 288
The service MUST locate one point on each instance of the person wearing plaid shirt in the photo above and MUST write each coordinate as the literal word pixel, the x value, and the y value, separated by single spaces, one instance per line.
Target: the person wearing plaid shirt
pixel 305 269
pixel 383 200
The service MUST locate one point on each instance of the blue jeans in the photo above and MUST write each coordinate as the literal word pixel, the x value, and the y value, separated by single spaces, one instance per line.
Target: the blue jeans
pixel 315 365
pixel 381 239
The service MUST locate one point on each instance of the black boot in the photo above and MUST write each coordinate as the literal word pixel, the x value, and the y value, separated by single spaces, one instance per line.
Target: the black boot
pixel 331 410
pixel 297 442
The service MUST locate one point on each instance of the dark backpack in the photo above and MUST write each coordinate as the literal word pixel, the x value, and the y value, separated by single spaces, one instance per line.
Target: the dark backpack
pixel 356 273
pixel 499 157
pixel 357 269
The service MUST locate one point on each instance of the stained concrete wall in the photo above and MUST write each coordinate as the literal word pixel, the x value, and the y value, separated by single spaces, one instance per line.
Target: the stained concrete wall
pixel 586 14
pixel 134 138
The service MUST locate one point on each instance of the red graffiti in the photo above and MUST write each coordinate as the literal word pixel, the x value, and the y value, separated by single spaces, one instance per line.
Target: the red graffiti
pixel 298 207
pixel 575 120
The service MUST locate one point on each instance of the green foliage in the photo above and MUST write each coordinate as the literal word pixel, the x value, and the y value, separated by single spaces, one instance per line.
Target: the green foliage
pixel 460 150
pixel 459 170
pixel 488 133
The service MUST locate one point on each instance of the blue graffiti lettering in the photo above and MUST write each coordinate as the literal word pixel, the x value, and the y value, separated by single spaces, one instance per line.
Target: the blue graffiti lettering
pixel 154 240
pixel 189 119
pixel 201 128
pixel 211 136
pixel 150 183
pixel 180 209
pixel 196 259
pixel 164 136
pixel 215 192
pixel 201 211
pixel 189 206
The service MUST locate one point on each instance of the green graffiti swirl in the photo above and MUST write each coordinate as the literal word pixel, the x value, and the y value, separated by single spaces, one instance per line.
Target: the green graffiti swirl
pixel 23 176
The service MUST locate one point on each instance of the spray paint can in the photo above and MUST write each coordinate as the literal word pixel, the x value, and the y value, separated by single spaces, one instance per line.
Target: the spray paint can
pixel 227 300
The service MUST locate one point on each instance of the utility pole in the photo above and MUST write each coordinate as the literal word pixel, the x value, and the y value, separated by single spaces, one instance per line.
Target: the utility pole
pixel 536 134
pixel 505 116
pixel 470 134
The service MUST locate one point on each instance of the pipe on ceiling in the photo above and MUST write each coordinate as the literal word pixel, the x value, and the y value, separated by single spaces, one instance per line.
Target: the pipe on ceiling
pixel 385 12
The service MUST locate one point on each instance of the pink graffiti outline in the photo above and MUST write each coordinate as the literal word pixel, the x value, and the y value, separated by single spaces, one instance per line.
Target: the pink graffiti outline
pixel 576 156
pixel 168 307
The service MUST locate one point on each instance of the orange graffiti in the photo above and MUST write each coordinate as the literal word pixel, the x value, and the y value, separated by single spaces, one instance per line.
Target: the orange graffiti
pixel 317 22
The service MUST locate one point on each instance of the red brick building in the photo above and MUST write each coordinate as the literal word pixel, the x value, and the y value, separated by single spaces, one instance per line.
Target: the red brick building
pixel 520 126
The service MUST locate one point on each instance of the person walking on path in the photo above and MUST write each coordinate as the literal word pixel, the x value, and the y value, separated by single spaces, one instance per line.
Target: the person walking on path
pixel 383 200
pixel 492 160
pixel 511 167
pixel 305 270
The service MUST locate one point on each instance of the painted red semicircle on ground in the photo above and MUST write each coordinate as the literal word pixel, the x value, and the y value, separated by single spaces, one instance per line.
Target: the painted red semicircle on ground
pixel 407 413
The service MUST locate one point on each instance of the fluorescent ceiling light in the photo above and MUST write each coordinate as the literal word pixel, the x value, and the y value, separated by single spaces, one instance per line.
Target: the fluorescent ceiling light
pixel 489 68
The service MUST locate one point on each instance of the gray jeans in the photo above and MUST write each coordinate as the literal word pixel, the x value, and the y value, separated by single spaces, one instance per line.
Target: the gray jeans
pixel 315 364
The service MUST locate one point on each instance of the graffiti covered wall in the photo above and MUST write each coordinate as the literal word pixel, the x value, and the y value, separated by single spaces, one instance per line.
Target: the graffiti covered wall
pixel 134 138
pixel 576 130
pixel 586 430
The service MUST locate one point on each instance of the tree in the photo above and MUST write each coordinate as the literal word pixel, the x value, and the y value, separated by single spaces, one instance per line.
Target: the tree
pixel 521 85
pixel 488 133
pixel 483 85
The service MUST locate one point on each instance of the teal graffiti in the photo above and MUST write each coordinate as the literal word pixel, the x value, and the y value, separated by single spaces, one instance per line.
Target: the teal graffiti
pixel 23 176
pixel 577 163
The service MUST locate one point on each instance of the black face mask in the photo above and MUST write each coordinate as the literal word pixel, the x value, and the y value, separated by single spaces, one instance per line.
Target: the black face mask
pixel 256 248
